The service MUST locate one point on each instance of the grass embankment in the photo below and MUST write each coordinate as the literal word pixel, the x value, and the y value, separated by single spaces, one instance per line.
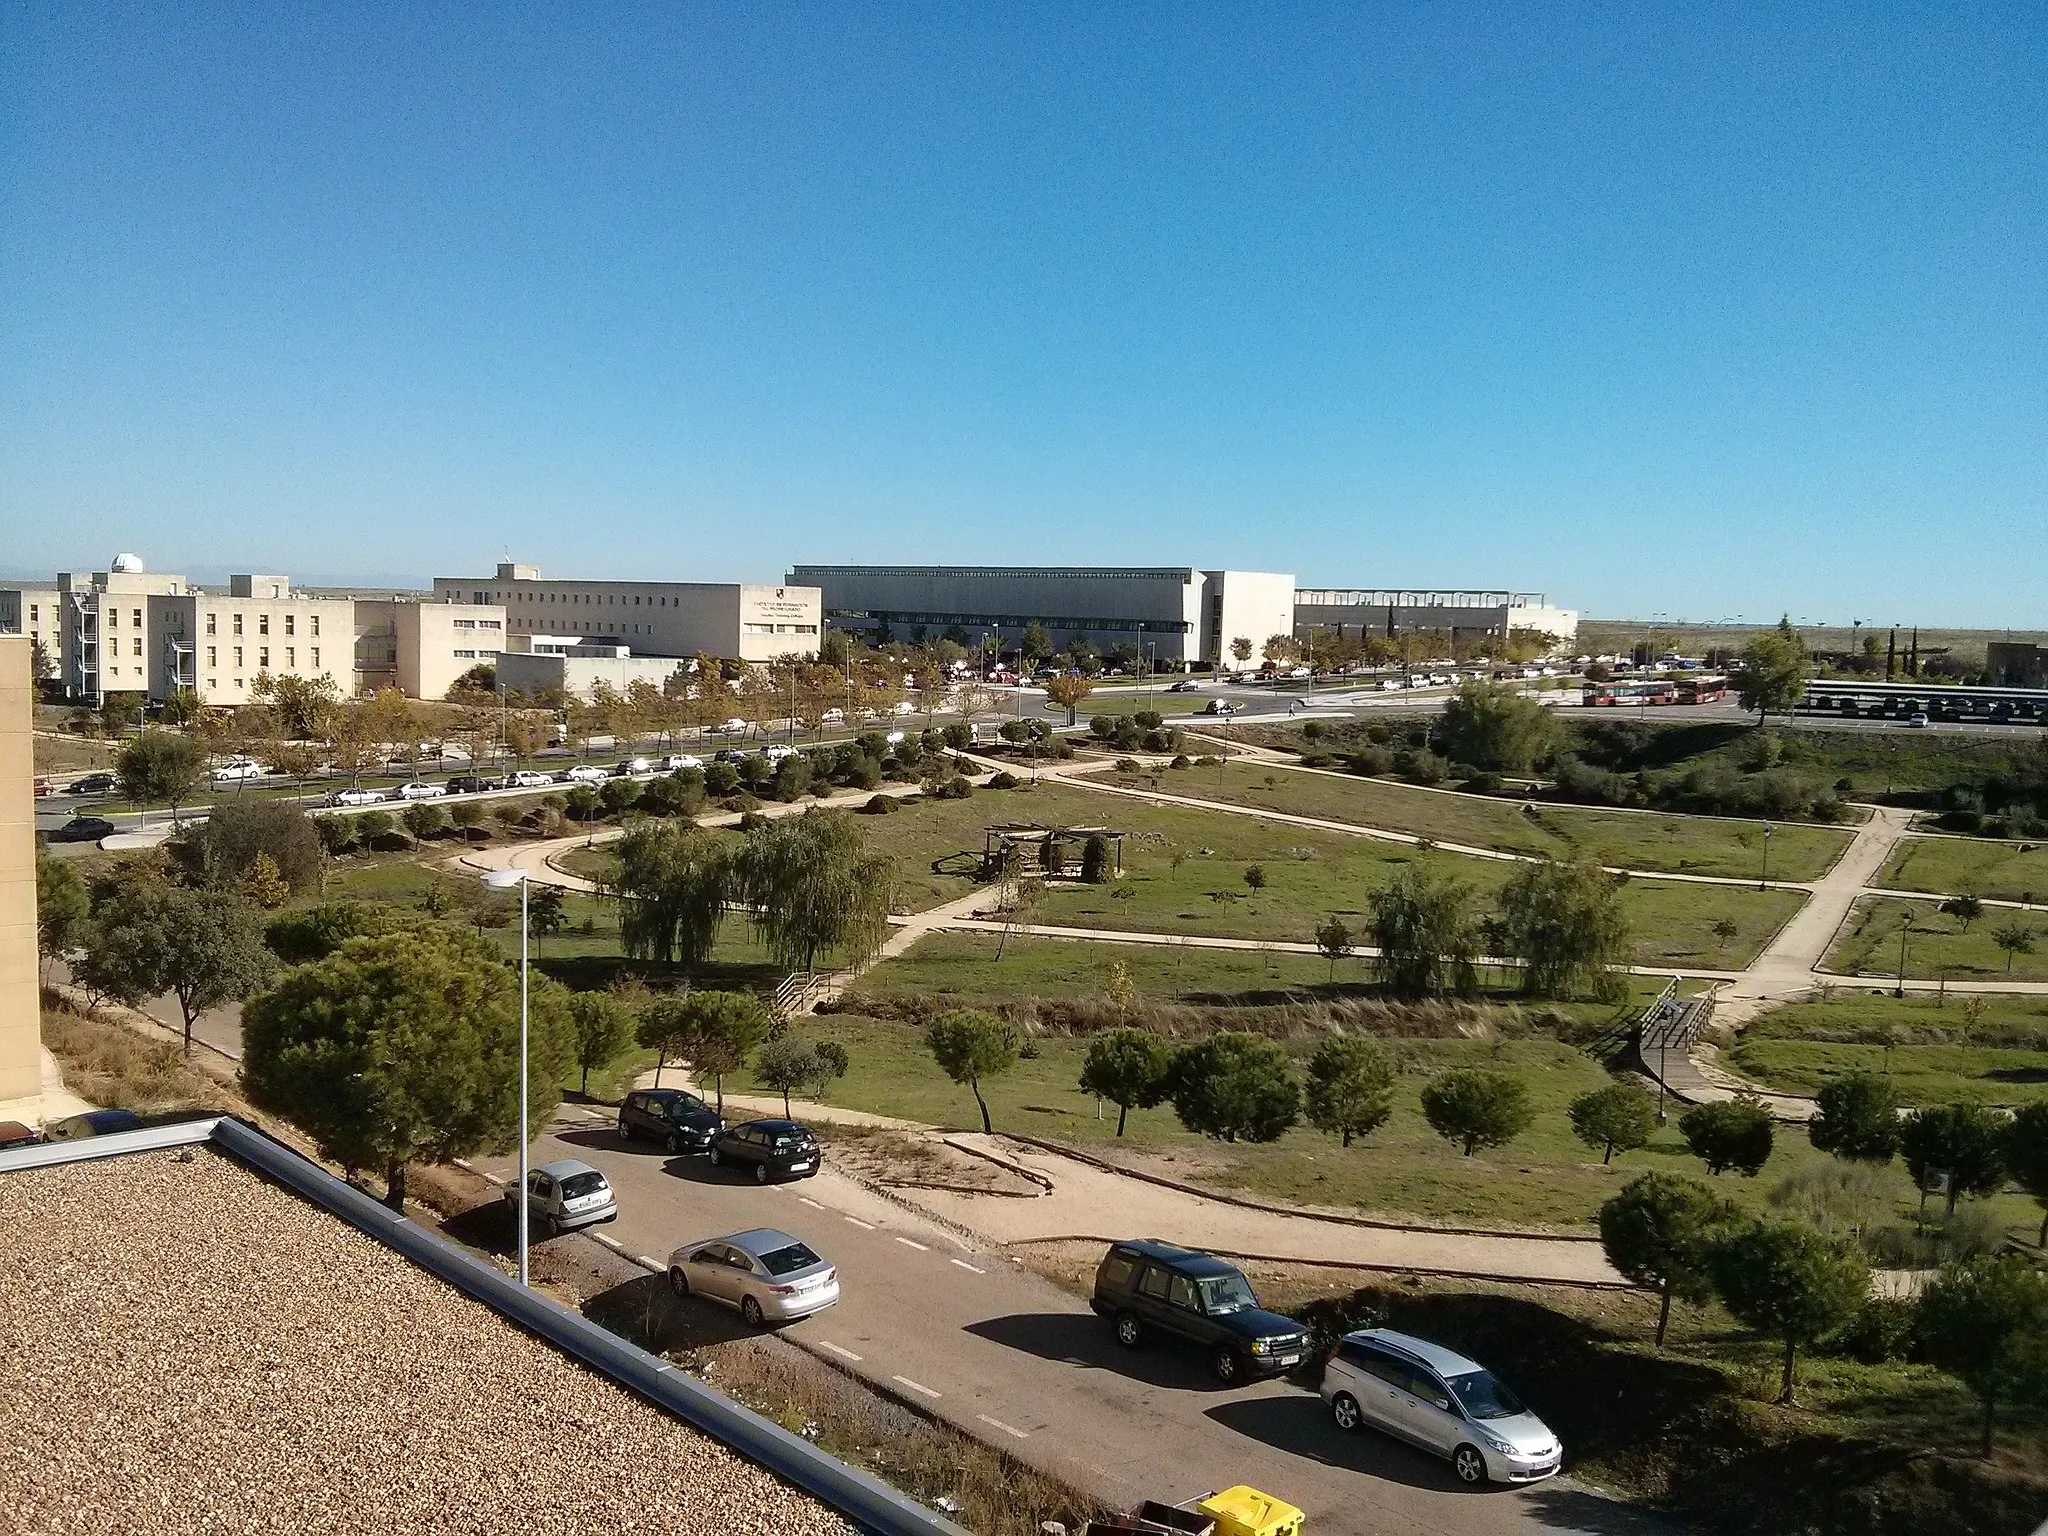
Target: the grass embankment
pixel 1698 845
pixel 1984 1050
pixel 113 1067
pixel 1936 943
pixel 2011 871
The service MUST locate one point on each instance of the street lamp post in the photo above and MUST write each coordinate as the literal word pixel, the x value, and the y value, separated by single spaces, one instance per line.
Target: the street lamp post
pixel 1764 879
pixel 1905 927
pixel 504 880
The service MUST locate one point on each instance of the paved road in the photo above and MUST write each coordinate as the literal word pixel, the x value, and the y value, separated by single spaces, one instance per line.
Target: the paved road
pixel 1013 1359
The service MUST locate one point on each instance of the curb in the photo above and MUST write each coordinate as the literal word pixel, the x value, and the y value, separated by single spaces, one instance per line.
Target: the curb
pixel 1363 1265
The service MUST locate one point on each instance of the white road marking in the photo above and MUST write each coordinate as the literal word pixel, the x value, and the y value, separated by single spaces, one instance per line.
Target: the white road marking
pixel 654 1264
pixel 844 1354
pixel 807 1200
pixel 610 1242
pixel 906 1242
pixel 917 1386
pixel 967 1266
pixel 1008 1429
pixel 867 1226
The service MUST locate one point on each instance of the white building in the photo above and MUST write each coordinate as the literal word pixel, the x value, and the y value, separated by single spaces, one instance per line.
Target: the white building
pixel 728 620
pixel 1335 612
pixel 1176 616
pixel 574 666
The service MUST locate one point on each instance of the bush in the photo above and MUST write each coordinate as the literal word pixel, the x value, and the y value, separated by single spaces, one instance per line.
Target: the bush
pixel 1095 859
pixel 1129 765
pixel 1004 780
pixel 221 849
pixel 956 788
pixel 1484 784
pixel 1882 1330
pixel 1421 766
pixel 1180 761
pixel 1372 761
pixel 879 805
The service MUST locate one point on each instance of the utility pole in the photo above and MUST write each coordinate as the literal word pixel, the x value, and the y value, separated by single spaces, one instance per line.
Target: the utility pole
pixel 1905 927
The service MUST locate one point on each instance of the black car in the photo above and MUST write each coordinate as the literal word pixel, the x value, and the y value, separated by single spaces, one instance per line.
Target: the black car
pixel 1148 1286
pixel 92 784
pixel 83 829
pixel 772 1148
pixel 680 1121
pixel 94 1122
pixel 472 783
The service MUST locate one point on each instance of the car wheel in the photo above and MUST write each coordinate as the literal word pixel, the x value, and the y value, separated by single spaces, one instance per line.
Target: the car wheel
pixel 1129 1331
pixel 678 1281
pixel 715 1158
pixel 1469 1465
pixel 625 1131
pixel 750 1309
pixel 675 1142
pixel 1344 1409
pixel 1228 1368
pixel 760 1173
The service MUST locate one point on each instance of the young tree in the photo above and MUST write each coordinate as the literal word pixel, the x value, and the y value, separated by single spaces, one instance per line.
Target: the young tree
pixel 1964 909
pixel 303 705
pixel 1784 1279
pixel 787 1065
pixel 723 1029
pixel 1332 938
pixel 423 819
pixel 813 885
pixel 671 883
pixel 1986 1322
pixel 1130 1068
pixel 160 765
pixel 1036 643
pixel 149 937
pixel 405 1046
pixel 1492 726
pixel 2015 939
pixel 63 910
pixel 832 1063
pixel 1965 1142
pixel 1617 1118
pixel 665 1028
pixel 1241 650
pixel 2026 1155
pixel 1477 1108
pixel 1425 932
pixel 1660 1232
pixel 1725 928
pixel 1856 1117
pixel 1234 1085
pixel 1350 1090
pixel 547 911
pixel 263 884
pixel 1730 1133
pixel 970 1045
pixel 1771 671
pixel 602 1027
pixel 1563 921
pixel 1068 693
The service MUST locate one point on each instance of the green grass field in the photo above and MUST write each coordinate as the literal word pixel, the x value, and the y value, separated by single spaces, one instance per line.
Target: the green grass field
pixel 1700 845
pixel 1989 1049
pixel 1868 944
pixel 1968 865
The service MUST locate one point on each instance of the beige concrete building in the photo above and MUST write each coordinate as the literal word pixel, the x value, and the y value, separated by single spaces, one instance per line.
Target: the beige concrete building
pixel 32 611
pixel 21 1026
pixel 731 621
pixel 218 644
pixel 543 664
pixel 421 648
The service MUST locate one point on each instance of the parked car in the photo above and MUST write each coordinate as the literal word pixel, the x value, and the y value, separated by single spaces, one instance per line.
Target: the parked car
pixel 83 829
pixel 1917 721
pixel 769 1275
pixel 631 766
pixel 235 769
pixel 94 1122
pixel 1297 672
pixel 776 754
pixel 734 727
pixel 772 1148
pixel 681 1121
pixel 675 762
pixel 92 784
pixel 831 717
pixel 1185 685
pixel 44 787
pixel 1150 1287
pixel 421 789
pixel 564 1195
pixel 528 778
pixel 473 784
pixel 14 1134
pixel 1219 707
pixel 584 773
pixel 1437 1399
pixel 355 795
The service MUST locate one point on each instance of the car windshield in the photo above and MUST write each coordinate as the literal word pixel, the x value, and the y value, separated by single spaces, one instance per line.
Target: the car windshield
pixel 576 1184
pixel 1484 1396
pixel 1226 1293
pixel 791 1142
pixel 785 1261
pixel 682 1109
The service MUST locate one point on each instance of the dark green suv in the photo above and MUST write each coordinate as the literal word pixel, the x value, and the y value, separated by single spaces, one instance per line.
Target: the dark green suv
pixel 1151 1287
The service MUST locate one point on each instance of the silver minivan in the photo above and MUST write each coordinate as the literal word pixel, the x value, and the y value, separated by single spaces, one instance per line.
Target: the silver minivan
pixel 1438 1400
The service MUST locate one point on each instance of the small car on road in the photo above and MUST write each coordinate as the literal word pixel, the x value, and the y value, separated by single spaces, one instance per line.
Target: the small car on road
pixel 421 789
pixel 528 778
pixel 355 795
pixel 675 762
pixel 629 766
pixel 680 1121
pixel 564 1195
pixel 1439 1400
pixel 768 1275
pixel 584 773
pixel 1147 1286
pixel 1185 685
pixel 92 784
pixel 236 769
pixel 83 829
pixel 1219 707
pixel 472 784
pixel 1916 721
pixel 774 1149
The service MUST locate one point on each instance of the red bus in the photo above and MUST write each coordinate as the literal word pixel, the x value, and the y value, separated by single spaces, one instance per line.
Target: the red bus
pixel 1622 695
pixel 1702 690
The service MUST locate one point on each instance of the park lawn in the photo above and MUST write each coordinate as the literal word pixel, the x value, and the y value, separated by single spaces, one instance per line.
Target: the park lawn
pixel 1699 845
pixel 1923 1074
pixel 1868 944
pixel 1968 866
pixel 1544 1178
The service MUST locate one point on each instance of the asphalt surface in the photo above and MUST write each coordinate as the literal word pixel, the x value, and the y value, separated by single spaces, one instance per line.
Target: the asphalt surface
pixel 1012 1359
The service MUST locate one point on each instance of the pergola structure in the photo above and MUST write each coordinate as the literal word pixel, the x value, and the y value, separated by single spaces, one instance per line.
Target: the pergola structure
pixel 1026 845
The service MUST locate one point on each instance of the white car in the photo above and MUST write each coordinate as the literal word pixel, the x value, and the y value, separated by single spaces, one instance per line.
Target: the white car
pixel 1440 1401
pixel 236 769
pixel 632 765
pixel 734 727
pixel 894 738
pixel 768 1275
pixel 584 773
pixel 528 778
pixel 776 754
pixel 832 717
pixel 678 760
pixel 1219 707
pixel 904 707
pixel 1918 722
pixel 355 796
pixel 421 789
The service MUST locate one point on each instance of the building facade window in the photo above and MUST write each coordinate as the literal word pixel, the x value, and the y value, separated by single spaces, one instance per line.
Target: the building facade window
pixel 290 621
pixel 238 662
pixel 291 656
pixel 213 623
pixel 262 623
pixel 316 626
pixel 138 645
pixel 238 623
pixel 263 658
pixel 316 655
pixel 213 656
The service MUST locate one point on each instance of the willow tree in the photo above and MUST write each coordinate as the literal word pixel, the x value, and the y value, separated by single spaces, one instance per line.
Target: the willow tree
pixel 812 885
pixel 1425 931
pixel 672 886
pixel 1563 920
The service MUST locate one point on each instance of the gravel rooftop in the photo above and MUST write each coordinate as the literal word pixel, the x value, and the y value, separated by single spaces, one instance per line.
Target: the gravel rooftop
pixel 186 1347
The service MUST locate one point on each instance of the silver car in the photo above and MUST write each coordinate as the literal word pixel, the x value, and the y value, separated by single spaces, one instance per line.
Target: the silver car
pixel 564 1195
pixel 1438 1400
pixel 769 1275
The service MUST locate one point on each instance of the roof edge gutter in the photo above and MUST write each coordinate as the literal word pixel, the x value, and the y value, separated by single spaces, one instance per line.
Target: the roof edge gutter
pixel 868 1502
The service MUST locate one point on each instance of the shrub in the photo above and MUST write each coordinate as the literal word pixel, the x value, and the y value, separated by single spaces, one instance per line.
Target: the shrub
pixel 1477 1108
pixel 1484 783
pixel 1180 761
pixel 1004 780
pixel 1372 761
pixel 1882 1330
pixel 1129 765
pixel 1095 859
pixel 879 805
pixel 1733 1133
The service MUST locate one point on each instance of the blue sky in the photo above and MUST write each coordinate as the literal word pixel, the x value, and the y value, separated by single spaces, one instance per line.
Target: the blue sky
pixel 1659 309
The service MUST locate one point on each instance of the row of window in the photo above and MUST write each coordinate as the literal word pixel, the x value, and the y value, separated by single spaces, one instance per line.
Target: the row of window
pixel 779 629
pixel 262 623
pixel 477 624
pixel 291 656
pixel 114 618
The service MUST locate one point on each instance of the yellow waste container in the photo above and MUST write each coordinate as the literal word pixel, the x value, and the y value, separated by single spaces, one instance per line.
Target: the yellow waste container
pixel 1243 1511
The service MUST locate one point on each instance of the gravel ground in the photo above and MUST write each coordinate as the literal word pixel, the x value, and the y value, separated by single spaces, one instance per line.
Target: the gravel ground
pixel 187 1348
